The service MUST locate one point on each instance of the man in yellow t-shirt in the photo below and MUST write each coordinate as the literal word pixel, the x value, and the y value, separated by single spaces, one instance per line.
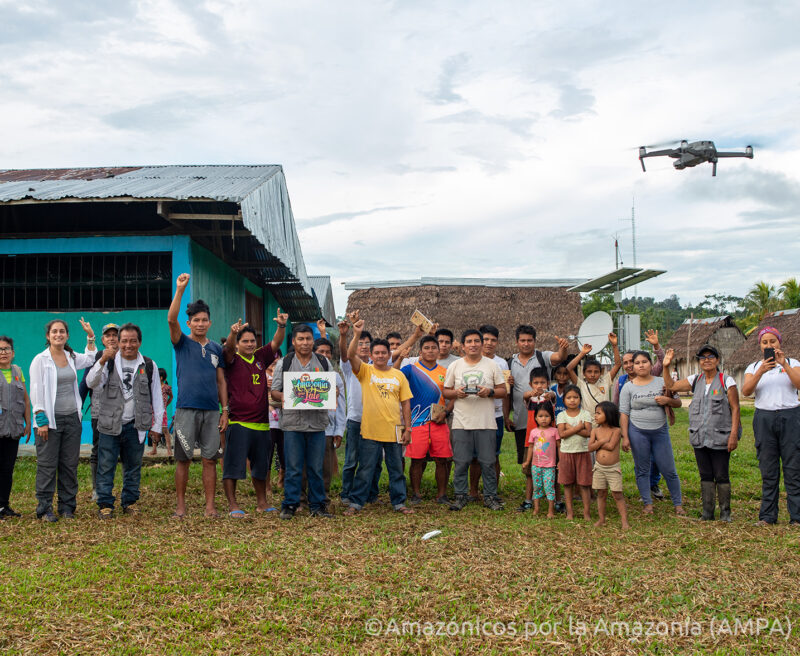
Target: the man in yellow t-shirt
pixel 385 393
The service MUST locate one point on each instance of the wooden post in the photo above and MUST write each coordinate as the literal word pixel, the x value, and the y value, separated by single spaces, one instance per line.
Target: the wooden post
pixel 689 342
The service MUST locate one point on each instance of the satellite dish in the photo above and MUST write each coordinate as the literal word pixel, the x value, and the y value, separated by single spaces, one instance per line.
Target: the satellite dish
pixel 594 330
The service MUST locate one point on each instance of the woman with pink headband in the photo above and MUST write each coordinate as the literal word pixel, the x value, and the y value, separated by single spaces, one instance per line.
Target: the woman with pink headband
pixel 774 381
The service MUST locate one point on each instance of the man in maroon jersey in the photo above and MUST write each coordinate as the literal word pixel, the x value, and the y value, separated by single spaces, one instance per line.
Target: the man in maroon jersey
pixel 248 426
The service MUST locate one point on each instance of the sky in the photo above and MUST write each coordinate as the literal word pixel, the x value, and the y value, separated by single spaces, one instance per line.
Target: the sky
pixel 442 138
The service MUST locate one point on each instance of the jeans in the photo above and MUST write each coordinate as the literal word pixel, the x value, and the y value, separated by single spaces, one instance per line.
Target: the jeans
pixel 713 464
pixel 655 475
pixel 656 444
pixel 369 460
pixel 777 437
pixel 57 465
pixel 351 446
pixel 303 450
pixel 465 444
pixel 109 450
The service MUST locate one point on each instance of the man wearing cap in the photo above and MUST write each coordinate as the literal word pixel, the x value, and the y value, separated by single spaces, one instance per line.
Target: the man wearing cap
pixel 110 338
pixel 128 393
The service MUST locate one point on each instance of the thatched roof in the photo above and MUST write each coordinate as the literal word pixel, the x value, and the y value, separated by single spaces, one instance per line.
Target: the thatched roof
pixel 702 330
pixel 787 322
pixel 551 310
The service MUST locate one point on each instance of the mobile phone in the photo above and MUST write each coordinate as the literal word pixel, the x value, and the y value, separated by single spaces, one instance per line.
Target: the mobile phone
pixel 769 353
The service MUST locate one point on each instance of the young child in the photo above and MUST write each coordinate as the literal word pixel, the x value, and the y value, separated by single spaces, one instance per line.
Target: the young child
pixel 575 463
pixel 540 459
pixel 595 386
pixel 605 439
pixel 538 393
pixel 561 376
pixel 166 394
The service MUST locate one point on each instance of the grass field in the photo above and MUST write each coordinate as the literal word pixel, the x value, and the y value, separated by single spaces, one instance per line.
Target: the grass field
pixel 492 583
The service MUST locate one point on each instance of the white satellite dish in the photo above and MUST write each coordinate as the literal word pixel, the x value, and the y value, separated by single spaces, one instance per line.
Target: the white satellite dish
pixel 594 330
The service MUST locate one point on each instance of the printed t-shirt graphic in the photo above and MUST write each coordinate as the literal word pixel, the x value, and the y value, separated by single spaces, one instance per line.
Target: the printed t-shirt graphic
pixel 426 385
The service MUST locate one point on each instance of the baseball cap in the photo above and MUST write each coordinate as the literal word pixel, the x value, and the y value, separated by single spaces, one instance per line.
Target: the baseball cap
pixel 109 326
pixel 707 348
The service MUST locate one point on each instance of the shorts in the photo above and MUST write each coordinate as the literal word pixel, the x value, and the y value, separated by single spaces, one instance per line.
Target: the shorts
pixel 607 476
pixel 196 428
pixel 243 444
pixel 575 468
pixel 429 439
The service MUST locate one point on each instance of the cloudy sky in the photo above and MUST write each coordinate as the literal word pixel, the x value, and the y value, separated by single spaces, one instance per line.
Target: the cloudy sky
pixel 441 138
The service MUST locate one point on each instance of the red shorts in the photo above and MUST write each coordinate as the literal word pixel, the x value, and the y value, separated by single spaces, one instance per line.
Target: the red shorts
pixel 430 438
pixel 575 468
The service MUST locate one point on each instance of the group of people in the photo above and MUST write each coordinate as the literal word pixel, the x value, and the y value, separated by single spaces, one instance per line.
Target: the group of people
pixel 570 419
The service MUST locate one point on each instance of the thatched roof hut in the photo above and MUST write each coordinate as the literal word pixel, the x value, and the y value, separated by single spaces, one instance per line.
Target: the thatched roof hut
pixel 787 322
pixel 552 310
pixel 721 332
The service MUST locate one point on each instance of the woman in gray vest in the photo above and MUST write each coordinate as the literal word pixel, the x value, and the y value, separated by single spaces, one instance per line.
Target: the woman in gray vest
pixel 714 426
pixel 15 420
pixel 774 381
pixel 57 413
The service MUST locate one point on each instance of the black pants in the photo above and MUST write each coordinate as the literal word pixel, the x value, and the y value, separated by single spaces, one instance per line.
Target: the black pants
pixel 277 446
pixel 519 438
pixel 713 464
pixel 777 437
pixel 8 456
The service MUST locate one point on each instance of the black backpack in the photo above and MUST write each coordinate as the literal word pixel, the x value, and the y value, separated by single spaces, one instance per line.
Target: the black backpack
pixel 287 361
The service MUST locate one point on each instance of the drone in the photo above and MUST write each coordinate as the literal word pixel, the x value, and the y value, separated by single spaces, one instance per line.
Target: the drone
pixel 692 154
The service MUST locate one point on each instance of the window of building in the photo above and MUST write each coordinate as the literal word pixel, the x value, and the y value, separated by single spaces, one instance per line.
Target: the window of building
pixel 86 281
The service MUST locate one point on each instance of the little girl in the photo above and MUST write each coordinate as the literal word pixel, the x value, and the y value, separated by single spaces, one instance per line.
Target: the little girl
pixel 540 459
pixel 605 440
pixel 575 463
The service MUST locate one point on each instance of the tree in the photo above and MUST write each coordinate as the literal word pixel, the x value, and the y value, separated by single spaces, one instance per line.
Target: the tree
pixel 761 300
pixel 597 301
pixel 790 293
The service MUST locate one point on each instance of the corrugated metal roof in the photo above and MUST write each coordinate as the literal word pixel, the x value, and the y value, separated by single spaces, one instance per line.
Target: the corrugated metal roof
pixel 707 320
pixel 221 183
pixel 322 288
pixel 781 313
pixel 468 282
pixel 260 190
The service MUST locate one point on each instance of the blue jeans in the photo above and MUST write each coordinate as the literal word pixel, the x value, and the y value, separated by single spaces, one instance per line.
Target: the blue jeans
pixel 369 461
pixel 351 445
pixel 109 450
pixel 654 445
pixel 303 450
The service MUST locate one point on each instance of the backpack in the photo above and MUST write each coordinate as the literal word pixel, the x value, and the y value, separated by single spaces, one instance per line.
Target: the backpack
pixel 287 361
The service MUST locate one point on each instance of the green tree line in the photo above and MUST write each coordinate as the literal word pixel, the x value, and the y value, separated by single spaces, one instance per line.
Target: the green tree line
pixel 666 315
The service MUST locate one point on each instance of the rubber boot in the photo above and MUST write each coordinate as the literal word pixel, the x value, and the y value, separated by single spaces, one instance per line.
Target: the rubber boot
pixel 708 489
pixel 724 494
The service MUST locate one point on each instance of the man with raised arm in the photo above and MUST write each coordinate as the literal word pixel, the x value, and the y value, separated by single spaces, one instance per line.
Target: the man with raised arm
pixel 384 392
pixel 248 425
pixel 202 390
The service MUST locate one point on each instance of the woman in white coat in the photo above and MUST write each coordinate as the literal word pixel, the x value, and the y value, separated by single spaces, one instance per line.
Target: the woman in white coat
pixel 57 405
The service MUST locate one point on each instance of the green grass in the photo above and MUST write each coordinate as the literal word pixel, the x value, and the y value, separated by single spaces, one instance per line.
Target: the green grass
pixel 149 585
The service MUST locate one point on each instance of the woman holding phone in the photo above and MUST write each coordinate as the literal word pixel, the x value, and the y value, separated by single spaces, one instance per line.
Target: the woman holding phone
pixel 774 381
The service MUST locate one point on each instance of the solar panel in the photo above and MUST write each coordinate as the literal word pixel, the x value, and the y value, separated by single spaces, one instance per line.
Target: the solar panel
pixel 644 274
pixel 603 281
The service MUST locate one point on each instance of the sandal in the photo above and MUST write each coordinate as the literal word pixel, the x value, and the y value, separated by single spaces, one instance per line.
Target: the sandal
pixel 234 514
pixel 680 511
pixel 177 515
pixel 648 510
pixel 404 511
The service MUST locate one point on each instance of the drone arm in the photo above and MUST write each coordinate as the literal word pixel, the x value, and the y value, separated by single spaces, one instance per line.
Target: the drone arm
pixel 734 155
pixel 657 153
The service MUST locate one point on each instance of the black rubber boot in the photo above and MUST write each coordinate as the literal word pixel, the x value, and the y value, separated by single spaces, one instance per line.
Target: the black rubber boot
pixel 724 494
pixel 708 489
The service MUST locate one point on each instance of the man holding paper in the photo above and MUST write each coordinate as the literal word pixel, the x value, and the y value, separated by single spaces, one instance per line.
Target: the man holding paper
pixel 384 392
pixel 303 429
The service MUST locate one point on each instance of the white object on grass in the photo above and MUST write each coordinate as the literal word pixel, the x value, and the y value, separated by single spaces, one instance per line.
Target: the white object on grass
pixel 431 534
